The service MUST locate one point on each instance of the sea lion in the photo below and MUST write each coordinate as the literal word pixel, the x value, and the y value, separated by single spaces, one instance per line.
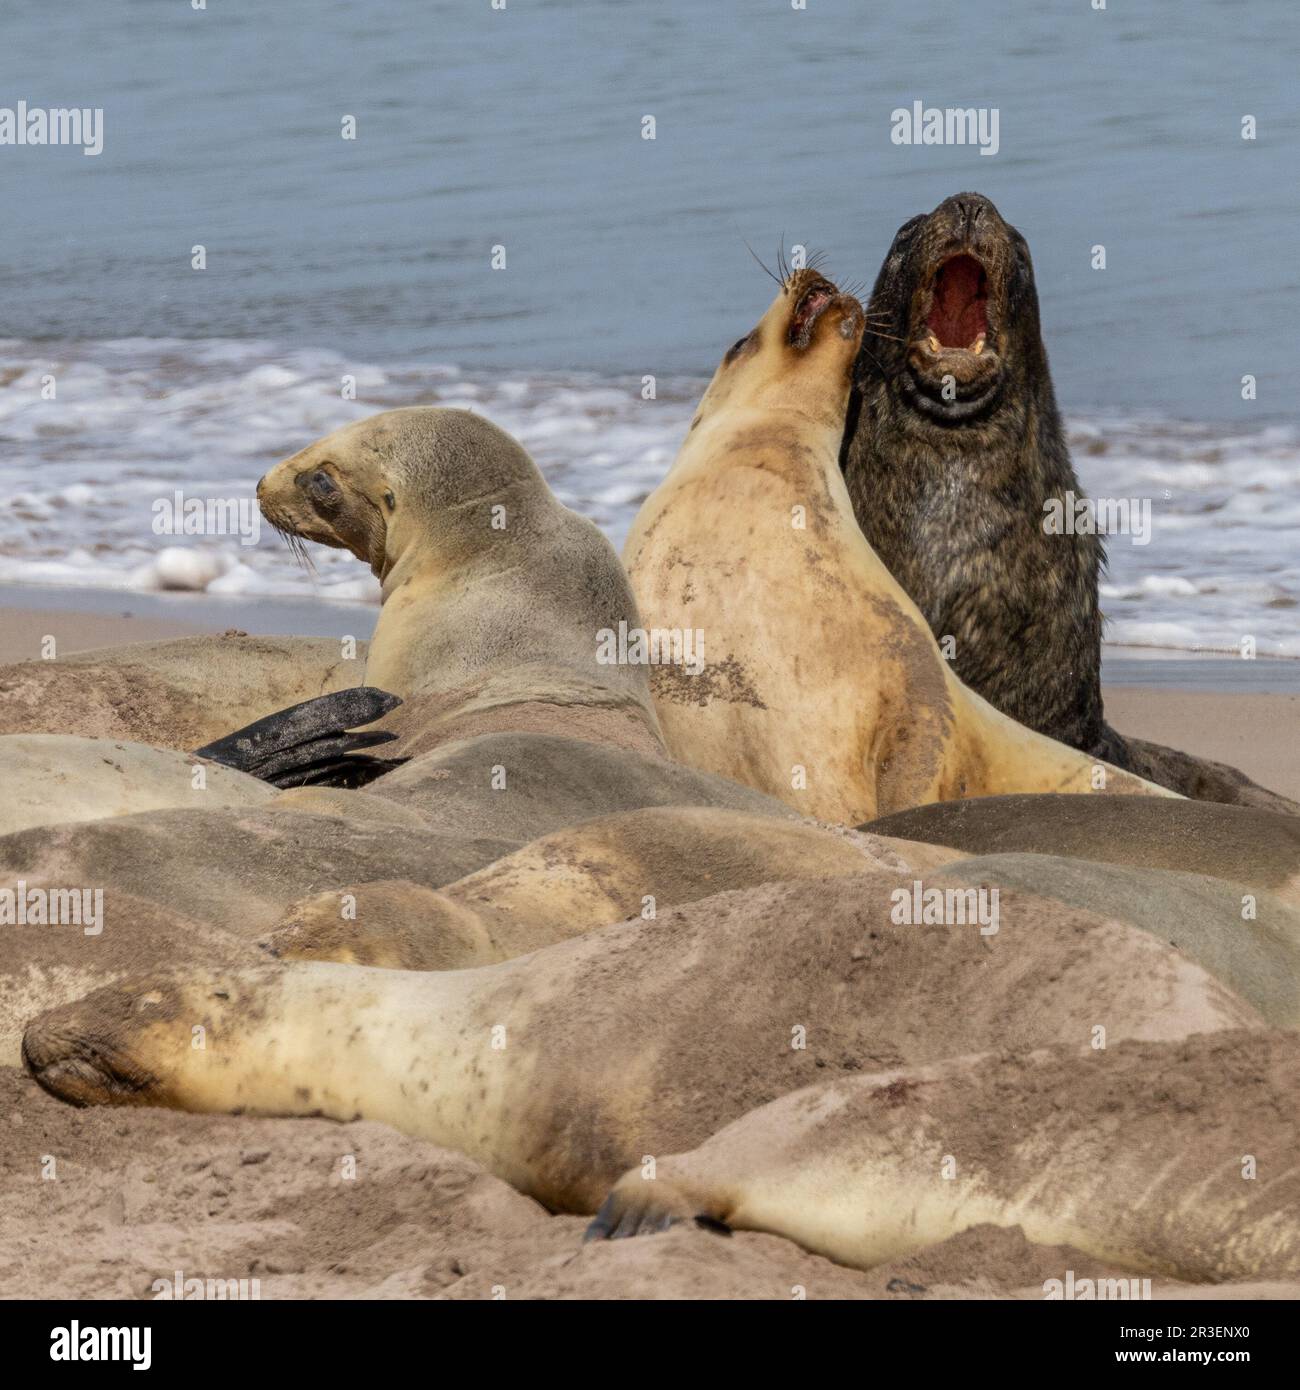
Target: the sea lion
pixel 560 1069
pixel 494 594
pixel 177 694
pixel 421 489
pixel 46 964
pixel 58 778
pixel 1135 1155
pixel 1249 942
pixel 1258 850
pixel 237 870
pixel 822 685
pixel 471 799
pixel 953 452
pixel 574 880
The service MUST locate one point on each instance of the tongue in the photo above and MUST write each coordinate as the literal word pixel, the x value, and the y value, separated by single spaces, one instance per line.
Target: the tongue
pixel 958 316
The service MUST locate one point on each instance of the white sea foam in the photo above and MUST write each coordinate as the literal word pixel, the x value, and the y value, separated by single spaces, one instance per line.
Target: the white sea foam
pixel 137 419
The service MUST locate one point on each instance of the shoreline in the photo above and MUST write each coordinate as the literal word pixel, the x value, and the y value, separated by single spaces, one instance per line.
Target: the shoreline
pixel 83 618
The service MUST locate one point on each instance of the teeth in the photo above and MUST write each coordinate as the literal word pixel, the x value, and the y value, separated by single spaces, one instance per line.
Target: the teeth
pixel 932 343
pixel 979 345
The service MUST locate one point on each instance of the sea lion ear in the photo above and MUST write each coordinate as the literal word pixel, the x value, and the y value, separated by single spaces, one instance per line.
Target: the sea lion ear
pixel 389 500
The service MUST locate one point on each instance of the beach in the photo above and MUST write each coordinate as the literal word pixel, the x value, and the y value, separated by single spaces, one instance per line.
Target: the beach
pixel 147 1200
pixel 556 217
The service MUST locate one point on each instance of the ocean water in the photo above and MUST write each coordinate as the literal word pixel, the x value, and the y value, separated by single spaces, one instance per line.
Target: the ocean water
pixel 139 419
pixel 522 128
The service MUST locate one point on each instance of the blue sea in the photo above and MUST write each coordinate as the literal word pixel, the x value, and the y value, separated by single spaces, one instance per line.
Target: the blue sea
pixel 522 128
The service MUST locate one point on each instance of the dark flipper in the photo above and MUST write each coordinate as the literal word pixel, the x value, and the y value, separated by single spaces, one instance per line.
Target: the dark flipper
pixel 309 744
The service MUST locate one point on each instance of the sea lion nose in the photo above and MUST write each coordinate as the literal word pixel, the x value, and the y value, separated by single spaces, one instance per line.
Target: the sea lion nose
pixel 969 211
pixel 968 216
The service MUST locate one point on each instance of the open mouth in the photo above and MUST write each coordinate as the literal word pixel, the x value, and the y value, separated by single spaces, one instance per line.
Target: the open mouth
pixel 812 303
pixel 958 316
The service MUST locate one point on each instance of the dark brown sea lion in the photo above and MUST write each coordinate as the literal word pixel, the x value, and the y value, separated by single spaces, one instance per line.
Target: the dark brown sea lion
pixel 953 448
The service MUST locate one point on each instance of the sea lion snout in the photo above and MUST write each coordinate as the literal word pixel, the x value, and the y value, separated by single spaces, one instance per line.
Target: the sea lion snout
pixel 817 300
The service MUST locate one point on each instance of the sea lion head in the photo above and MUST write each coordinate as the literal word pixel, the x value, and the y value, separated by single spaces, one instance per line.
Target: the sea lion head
pixel 800 355
pixel 399 480
pixel 954 313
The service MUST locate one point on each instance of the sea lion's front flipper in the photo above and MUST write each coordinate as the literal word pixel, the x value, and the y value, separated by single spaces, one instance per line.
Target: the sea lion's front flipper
pixel 310 743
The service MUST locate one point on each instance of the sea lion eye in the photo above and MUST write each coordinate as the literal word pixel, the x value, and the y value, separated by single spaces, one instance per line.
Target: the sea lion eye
pixel 390 501
pixel 734 350
pixel 319 486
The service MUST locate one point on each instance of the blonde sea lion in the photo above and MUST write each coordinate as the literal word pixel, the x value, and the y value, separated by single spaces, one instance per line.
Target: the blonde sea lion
pixel 1250 941
pixel 1259 850
pixel 58 778
pixel 230 868
pixel 560 1069
pixel 179 694
pixel 572 881
pixel 494 594
pixel 822 684
pixel 1173 1158
pixel 47 963
pixel 508 777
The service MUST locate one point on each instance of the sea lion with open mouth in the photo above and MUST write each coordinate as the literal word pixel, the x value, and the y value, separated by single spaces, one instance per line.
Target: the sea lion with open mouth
pixel 952 450
pixel 822 683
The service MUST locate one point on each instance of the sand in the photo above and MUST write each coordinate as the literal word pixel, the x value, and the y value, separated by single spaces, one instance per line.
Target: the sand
pixel 136 1196
pixel 1260 734
pixel 23 631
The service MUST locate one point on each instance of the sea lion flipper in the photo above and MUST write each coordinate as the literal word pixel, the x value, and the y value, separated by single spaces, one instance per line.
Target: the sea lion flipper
pixel 639 1207
pixel 311 742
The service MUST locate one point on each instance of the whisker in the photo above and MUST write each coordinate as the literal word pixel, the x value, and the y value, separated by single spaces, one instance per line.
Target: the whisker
pixel 297 546
pixel 765 270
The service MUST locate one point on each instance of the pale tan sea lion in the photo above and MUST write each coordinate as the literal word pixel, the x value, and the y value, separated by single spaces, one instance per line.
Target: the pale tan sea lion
pixel 495 597
pixel 1260 850
pixel 494 594
pixel 45 964
pixel 179 694
pixel 822 683
pixel 237 870
pixel 1174 1158
pixel 634 864
pixel 58 778
pixel 560 1069
pixel 1249 941
pixel 518 786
